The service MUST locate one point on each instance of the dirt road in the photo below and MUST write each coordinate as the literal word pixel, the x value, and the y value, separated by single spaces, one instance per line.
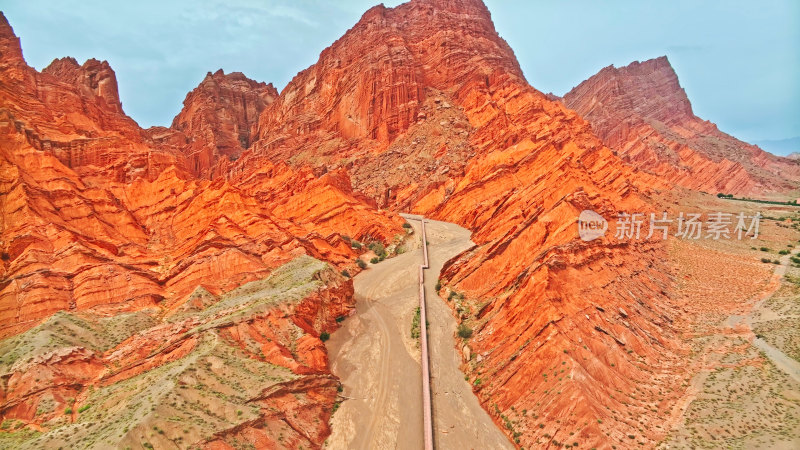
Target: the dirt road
pixel 782 361
pixel 378 361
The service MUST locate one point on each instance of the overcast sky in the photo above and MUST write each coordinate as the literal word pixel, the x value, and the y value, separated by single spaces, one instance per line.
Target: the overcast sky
pixel 738 61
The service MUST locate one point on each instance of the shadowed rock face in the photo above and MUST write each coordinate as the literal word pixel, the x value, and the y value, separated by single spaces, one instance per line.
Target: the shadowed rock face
pixel 642 112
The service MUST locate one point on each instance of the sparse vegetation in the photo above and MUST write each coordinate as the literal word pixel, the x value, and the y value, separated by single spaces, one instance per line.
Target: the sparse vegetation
pixel 378 249
pixel 361 263
pixel 324 336
pixel 464 331
pixel 407 225
pixel 415 328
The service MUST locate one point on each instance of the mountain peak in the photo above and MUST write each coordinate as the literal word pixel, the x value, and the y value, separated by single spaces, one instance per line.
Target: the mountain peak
pixel 642 111
pixel 650 87
pixel 10 48
pixel 93 77
pixel 223 109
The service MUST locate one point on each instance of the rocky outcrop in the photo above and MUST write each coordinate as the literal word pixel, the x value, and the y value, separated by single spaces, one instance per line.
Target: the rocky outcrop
pixel 250 363
pixel 643 113
pixel 219 117
pixel 93 79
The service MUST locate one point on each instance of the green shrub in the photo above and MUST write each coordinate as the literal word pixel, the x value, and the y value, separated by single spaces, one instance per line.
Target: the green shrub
pixel 766 260
pixel 361 263
pixel 406 225
pixel 324 336
pixel 378 249
pixel 438 286
pixel 345 273
pixel 356 245
pixel 764 249
pixel 374 260
pixel 415 330
pixel 464 331
pixel 783 252
pixel 68 411
pixel 84 408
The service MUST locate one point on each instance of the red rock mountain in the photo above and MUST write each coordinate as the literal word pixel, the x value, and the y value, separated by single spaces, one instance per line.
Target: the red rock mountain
pixel 419 108
pixel 642 112
pixel 219 117
pixel 426 108
pixel 115 249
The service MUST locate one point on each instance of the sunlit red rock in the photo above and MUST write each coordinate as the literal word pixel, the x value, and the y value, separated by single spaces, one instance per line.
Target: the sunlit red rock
pixel 219 117
pixel 420 108
pixel 643 113
pixel 102 219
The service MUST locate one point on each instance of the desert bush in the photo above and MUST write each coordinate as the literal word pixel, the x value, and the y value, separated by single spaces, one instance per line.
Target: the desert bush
pixel 361 263
pixel 406 225
pixel 464 331
pixel 345 273
pixel 378 248
pixel 374 260
pixel 324 336
pixel 415 329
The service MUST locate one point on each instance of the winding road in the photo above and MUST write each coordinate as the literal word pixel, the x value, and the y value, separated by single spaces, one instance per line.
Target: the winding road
pixel 379 363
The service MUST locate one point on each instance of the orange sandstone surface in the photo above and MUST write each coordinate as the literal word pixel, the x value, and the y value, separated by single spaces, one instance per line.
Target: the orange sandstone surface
pixel 207 255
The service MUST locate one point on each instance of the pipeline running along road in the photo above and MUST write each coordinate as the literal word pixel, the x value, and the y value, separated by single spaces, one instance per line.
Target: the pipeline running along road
pixel 380 365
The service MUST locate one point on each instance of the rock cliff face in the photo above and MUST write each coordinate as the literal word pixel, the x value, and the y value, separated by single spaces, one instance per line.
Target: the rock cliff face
pixel 219 117
pixel 642 112
pixel 93 79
